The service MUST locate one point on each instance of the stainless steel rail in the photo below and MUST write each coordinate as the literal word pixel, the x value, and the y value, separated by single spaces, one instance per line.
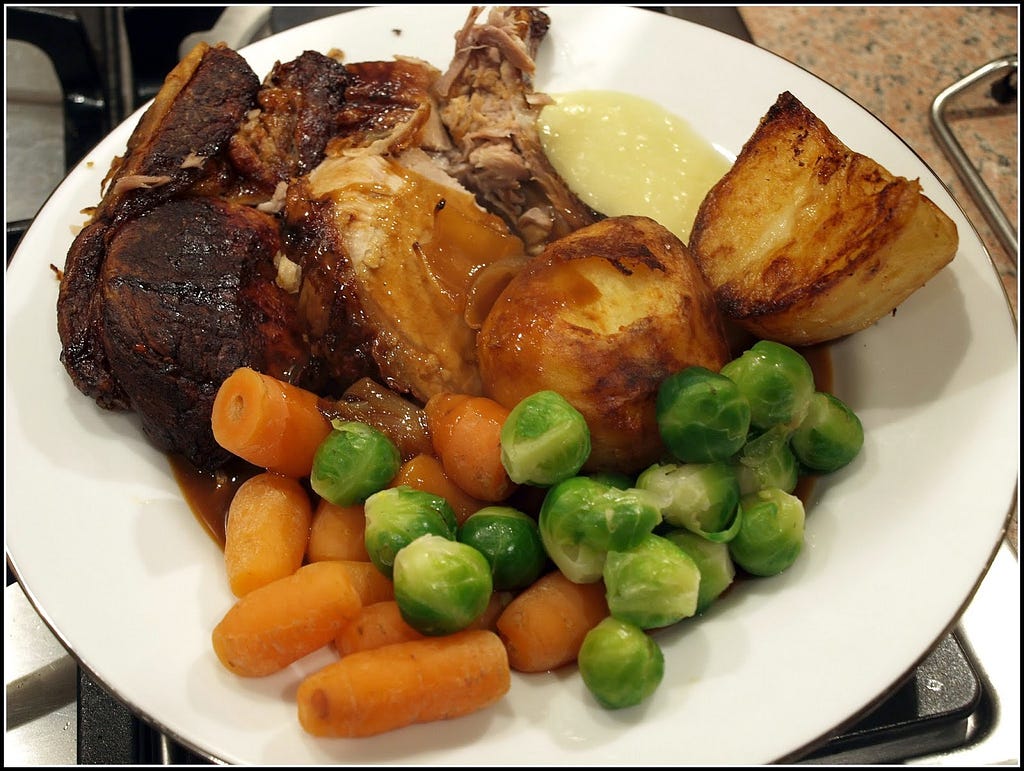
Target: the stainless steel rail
pixel 981 193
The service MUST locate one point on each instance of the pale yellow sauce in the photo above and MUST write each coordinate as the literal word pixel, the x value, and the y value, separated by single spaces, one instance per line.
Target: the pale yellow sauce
pixel 623 154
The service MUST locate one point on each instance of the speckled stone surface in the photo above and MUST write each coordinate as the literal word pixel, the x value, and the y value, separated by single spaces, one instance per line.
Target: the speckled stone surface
pixel 894 61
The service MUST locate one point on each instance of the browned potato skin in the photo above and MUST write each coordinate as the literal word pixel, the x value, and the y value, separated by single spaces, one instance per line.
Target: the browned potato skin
pixel 805 241
pixel 602 316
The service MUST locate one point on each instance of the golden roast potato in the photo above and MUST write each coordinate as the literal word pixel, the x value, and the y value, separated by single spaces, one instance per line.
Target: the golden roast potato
pixel 805 241
pixel 602 316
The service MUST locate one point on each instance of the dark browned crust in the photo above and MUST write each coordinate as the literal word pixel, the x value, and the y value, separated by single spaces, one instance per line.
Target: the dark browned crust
pixel 338 334
pixel 80 320
pixel 193 115
pixel 192 118
pixel 299 107
pixel 189 295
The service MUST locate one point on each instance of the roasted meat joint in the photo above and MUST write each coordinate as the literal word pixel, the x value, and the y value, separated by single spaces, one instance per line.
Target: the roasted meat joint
pixel 334 222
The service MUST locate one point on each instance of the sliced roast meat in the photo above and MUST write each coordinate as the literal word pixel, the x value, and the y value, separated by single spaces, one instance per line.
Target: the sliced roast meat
pixel 389 107
pixel 174 148
pixel 395 238
pixel 392 252
pixel 298 110
pixel 389 244
pixel 190 121
pixel 188 295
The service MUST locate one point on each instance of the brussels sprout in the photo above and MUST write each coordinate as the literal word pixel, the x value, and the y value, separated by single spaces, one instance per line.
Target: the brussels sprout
pixel 652 584
pixel 771 532
pixel 354 461
pixel 510 540
pixel 716 567
pixel 544 440
pixel 702 497
pixel 441 586
pixel 620 664
pixel 397 516
pixel 581 519
pixel 767 461
pixel 829 436
pixel 702 416
pixel 776 381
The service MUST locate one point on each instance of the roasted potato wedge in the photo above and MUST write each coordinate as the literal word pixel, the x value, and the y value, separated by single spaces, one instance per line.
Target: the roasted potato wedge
pixel 805 241
pixel 602 316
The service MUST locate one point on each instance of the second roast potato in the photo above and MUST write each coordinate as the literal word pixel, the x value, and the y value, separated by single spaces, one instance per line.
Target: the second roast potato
pixel 805 241
pixel 602 316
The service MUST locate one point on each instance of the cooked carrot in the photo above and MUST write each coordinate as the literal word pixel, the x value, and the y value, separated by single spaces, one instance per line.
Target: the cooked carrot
pixel 266 531
pixel 425 472
pixel 370 584
pixel 268 422
pixel 439 409
pixel 466 432
pixel 376 625
pixel 435 678
pixel 277 624
pixel 544 626
pixel 382 624
pixel 338 533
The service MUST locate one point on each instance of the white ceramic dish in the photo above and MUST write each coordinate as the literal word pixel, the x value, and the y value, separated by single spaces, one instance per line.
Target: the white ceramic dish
pixel 896 543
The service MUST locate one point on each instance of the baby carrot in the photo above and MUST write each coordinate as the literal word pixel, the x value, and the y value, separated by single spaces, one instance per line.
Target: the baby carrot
pixel 277 624
pixel 425 472
pixel 544 626
pixel 266 531
pixel 268 422
pixel 338 533
pixel 376 625
pixel 466 432
pixel 382 624
pixel 370 584
pixel 439 411
pixel 435 678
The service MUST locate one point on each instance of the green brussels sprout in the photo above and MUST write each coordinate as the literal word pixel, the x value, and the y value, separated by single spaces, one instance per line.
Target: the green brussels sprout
pixel 397 516
pixel 776 381
pixel 702 416
pixel 441 586
pixel 702 497
pixel 510 540
pixel 829 436
pixel 717 570
pixel 620 664
pixel 767 461
pixel 581 519
pixel 771 532
pixel 354 461
pixel 652 584
pixel 544 440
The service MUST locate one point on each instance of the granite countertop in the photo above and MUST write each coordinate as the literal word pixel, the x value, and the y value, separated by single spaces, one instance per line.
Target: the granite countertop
pixel 894 61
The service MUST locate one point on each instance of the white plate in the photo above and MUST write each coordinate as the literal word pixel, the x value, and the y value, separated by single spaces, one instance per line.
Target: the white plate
pixel 896 543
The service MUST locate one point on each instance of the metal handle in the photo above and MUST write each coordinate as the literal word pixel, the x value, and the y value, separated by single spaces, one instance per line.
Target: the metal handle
pixel 990 207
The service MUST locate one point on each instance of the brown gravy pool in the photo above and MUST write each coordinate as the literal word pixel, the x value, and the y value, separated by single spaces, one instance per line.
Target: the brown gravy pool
pixel 209 493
